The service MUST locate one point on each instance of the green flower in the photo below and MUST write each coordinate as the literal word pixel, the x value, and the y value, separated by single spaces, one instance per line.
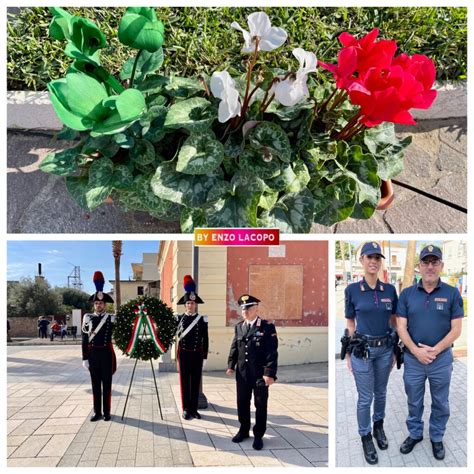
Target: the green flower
pixel 140 29
pixel 83 103
pixel 83 36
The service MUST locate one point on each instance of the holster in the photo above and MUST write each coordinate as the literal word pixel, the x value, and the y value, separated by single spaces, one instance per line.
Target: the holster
pixel 398 350
pixel 345 340
pixel 359 347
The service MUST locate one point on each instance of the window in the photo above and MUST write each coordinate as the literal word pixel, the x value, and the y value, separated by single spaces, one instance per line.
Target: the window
pixel 140 290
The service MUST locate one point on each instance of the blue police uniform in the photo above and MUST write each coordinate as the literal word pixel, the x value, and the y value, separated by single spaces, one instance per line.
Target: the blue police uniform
pixel 372 309
pixel 429 317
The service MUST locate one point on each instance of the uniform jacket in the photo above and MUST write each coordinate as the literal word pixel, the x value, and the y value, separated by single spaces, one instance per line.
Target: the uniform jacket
pixel 102 338
pixel 197 338
pixel 255 354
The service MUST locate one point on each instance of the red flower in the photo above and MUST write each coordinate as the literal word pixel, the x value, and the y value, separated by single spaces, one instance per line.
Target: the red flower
pixel 357 56
pixel 387 94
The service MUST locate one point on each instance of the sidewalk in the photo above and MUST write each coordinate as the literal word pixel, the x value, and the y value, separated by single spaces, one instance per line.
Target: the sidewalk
pixel 348 445
pixel 49 404
pixel 435 162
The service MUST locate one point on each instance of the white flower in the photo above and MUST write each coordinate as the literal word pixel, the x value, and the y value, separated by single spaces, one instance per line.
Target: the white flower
pixel 270 37
pixel 223 87
pixel 291 91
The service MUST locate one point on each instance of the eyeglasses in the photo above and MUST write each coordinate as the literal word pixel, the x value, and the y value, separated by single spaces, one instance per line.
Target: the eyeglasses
pixel 427 263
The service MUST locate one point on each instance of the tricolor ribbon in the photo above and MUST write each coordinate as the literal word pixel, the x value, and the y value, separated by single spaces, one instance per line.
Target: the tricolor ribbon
pixel 144 321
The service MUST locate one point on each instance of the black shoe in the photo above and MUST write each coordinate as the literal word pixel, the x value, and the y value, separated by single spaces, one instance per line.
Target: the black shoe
pixel 186 415
pixel 97 417
pixel 408 445
pixel 239 437
pixel 107 417
pixel 197 415
pixel 438 450
pixel 369 449
pixel 379 435
pixel 257 444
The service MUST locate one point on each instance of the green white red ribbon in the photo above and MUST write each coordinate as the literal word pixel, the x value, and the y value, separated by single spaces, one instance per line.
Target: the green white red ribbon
pixel 144 323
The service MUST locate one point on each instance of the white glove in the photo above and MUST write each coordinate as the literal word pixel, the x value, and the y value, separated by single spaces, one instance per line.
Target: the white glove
pixel 85 364
pixel 204 362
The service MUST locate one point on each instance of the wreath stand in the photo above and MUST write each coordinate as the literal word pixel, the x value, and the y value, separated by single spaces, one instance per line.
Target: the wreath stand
pixel 143 335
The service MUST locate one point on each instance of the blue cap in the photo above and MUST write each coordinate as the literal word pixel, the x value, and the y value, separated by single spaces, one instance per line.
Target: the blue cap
pixel 372 248
pixel 431 251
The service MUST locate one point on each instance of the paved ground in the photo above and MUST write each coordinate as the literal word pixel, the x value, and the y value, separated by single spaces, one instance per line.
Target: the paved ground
pixel 348 445
pixel 49 403
pixel 435 162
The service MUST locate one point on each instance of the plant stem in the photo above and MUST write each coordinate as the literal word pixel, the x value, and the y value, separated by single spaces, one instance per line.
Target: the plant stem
pixel 341 135
pixel 265 107
pixel 325 103
pixel 340 98
pixel 135 67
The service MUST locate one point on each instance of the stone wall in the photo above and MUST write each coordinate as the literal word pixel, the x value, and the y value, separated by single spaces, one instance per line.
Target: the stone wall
pixel 23 326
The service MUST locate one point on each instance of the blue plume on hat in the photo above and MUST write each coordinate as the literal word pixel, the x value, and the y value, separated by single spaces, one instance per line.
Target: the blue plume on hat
pixel 189 284
pixel 99 281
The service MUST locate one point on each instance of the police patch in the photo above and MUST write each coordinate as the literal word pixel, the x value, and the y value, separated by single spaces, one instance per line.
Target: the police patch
pixel 441 300
pixel 430 248
pixel 440 306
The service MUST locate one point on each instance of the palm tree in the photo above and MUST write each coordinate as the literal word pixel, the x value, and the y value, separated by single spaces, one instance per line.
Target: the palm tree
pixel 409 264
pixel 117 252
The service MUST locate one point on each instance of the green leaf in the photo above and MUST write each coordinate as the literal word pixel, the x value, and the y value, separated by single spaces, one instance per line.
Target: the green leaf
pixel 147 63
pixel 268 199
pixel 200 154
pixel 239 207
pixel 293 213
pixel 153 123
pixel 143 152
pixel 100 172
pixel 88 197
pixel 185 189
pixel 193 114
pixel 183 86
pixel 291 113
pixel 383 143
pixel 122 177
pixel 191 218
pixel 161 208
pixel 105 145
pixel 293 178
pixel 272 140
pixel 61 163
pixel 254 160
pixel 334 202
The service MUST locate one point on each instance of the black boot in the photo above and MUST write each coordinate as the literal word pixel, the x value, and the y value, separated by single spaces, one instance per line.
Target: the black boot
pixel 379 435
pixel 369 449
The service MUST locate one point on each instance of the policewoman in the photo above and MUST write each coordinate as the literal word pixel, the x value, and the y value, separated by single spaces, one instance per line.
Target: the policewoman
pixel 429 321
pixel 98 354
pixel 370 307
pixel 193 346
pixel 254 358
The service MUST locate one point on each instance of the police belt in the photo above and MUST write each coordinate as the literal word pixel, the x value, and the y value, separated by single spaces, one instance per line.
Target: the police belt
pixel 374 341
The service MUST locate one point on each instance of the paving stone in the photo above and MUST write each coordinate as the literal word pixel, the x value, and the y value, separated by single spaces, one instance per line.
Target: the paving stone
pixel 32 447
pixel 33 462
pixel 57 445
pixel 70 460
pixel 291 458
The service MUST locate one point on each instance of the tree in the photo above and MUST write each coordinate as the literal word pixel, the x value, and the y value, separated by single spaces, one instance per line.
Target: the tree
pixel 33 297
pixel 348 250
pixel 410 261
pixel 117 252
pixel 73 298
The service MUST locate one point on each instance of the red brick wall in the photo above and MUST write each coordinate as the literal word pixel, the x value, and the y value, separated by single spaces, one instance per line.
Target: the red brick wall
pixel 313 256
pixel 166 276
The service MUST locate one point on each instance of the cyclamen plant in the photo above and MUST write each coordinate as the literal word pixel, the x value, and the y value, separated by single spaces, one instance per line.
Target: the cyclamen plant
pixel 270 148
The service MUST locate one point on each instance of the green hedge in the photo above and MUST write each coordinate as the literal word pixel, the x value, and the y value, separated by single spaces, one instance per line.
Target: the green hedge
pixel 200 40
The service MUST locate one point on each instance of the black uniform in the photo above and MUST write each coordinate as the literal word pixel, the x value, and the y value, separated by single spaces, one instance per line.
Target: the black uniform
pixel 253 355
pixel 192 350
pixel 102 362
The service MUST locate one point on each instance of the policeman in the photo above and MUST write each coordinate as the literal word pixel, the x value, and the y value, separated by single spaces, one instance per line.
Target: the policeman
pixel 193 346
pixel 429 321
pixel 370 311
pixel 254 357
pixel 98 354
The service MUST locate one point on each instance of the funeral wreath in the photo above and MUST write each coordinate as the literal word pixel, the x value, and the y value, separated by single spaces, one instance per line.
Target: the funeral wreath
pixel 268 148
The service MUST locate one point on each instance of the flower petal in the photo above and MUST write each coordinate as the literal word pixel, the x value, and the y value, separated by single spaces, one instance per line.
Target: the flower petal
pixel 259 24
pixel 248 47
pixel 273 39
pixel 307 60
pixel 289 92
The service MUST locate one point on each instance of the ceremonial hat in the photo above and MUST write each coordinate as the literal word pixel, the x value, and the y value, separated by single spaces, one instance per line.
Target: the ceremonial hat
pixel 372 248
pixel 99 294
pixel 190 291
pixel 247 300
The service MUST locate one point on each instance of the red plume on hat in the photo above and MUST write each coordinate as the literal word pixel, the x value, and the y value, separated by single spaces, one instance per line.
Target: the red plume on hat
pixel 99 281
pixel 189 284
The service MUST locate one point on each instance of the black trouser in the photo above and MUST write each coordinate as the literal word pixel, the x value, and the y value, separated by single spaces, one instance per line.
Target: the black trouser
pixel 260 398
pixel 190 371
pixel 100 368
pixel 43 333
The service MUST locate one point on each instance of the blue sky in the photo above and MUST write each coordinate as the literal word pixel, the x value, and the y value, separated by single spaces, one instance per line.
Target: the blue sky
pixel 59 257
